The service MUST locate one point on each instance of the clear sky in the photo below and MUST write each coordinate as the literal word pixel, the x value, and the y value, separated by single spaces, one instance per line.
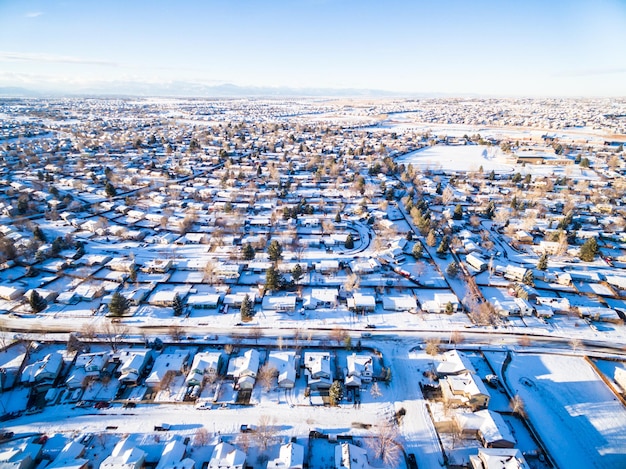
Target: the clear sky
pixel 488 47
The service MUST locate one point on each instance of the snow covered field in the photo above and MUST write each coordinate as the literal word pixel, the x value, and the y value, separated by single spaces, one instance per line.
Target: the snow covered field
pixel 579 419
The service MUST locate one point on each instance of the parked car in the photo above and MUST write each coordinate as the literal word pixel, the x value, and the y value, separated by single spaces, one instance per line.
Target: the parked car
pixel 5 435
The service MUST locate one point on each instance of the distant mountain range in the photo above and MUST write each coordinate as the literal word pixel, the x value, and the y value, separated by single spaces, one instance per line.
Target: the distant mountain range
pixel 191 90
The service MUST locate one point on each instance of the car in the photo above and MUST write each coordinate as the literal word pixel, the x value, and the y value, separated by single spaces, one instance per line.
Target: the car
pixel 371 326
pixel 204 406
pixel 129 405
pixel 412 463
pixel 102 405
pixel 6 435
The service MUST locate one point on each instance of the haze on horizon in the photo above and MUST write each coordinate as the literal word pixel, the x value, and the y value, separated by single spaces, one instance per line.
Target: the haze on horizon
pixel 455 47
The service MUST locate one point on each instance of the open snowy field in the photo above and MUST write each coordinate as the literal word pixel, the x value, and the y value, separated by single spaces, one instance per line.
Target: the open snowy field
pixel 580 421
pixel 459 158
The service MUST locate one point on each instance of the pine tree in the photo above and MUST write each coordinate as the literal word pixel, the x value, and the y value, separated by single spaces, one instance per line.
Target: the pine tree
pixel 109 189
pixel 246 308
pixel 38 234
pixel 275 251
pixel 272 279
pixel 297 273
pixel 431 239
pixel 338 218
pixel 349 242
pixel 443 247
pixel 458 212
pixel 119 305
pixel 417 250
pixel 542 264
pixel 335 393
pixel 588 250
pixel 248 252
pixel 178 305
pixel 37 302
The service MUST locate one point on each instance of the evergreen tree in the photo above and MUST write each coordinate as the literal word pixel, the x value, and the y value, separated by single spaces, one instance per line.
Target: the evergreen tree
pixel 588 250
pixel 38 234
pixel 452 269
pixel 109 189
pixel 542 264
pixel 444 245
pixel 272 279
pixel 119 305
pixel 417 250
pixel 37 302
pixel 248 252
pixel 275 251
pixel 431 239
pixel 335 393
pixel 178 305
pixel 458 212
pixel 338 218
pixel 247 308
pixel 491 210
pixel 349 242
pixel 297 273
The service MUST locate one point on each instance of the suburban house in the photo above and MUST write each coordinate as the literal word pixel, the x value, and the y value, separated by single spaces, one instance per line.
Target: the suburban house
pixel 70 457
pixel 204 363
pixel 173 456
pixel 244 368
pixel 279 302
pixel 321 298
pixel 44 371
pixel 284 362
pixel 317 370
pixel 440 302
pixel 132 363
pixel 10 368
pixel 489 427
pixel 399 303
pixel 226 456
pixel 291 456
pixel 362 303
pixel 465 389
pixel 360 370
pixel 500 458
pixel 21 454
pixel 167 364
pixel 86 365
pixel 349 456
pixel 454 362
pixel 125 455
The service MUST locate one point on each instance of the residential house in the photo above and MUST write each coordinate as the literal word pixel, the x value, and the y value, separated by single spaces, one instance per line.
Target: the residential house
pixel 44 371
pixel 281 303
pixel 321 298
pixel 86 365
pixel 399 303
pixel 291 456
pixel 243 369
pixel 454 362
pixel 70 457
pixel 498 458
pixel 165 365
pixel 465 389
pixel 360 369
pixel 133 363
pixel 226 456
pixel 349 456
pixel 362 303
pixel 173 456
pixel 489 427
pixel 317 370
pixel 204 363
pixel 20 454
pixel 125 455
pixel 284 362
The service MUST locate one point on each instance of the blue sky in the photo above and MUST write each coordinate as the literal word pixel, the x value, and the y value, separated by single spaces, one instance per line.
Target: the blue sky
pixel 496 47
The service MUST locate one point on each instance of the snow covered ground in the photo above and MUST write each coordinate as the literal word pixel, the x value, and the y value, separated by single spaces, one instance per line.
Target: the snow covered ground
pixel 578 418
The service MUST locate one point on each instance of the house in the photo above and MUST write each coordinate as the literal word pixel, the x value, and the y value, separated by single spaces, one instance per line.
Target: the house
pixel 133 363
pixel 11 363
pixel 498 458
pixel 454 362
pixel 525 308
pixel 349 456
pixel 86 365
pixel 226 456
pixel 440 303
pixel 163 298
pixel 514 273
pixel 360 369
pixel 167 364
pixel 506 307
pixel 70 457
pixel 125 455
pixel 158 266
pixel 291 456
pixel 321 298
pixel 120 264
pixel 328 266
pixel 44 371
pixel 284 362
pixel 317 369
pixel 399 303
pixel 489 427
pixel 204 301
pixel 243 369
pixel 465 389
pixel 10 293
pixel 21 454
pixel 173 456
pixel 361 302
pixel 204 363
pixel 476 262
pixel 281 303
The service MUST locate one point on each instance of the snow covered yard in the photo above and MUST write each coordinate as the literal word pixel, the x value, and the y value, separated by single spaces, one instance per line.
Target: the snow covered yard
pixel 579 419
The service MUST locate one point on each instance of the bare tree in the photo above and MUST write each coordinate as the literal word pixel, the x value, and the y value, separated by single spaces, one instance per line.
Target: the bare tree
pixel 338 334
pixel 266 431
pixel 265 376
pixel 375 391
pixel 432 346
pixel 176 332
pixel 352 283
pixel 384 445
pixel 456 338
pixel 517 405
pixel 201 437
pixel 114 333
